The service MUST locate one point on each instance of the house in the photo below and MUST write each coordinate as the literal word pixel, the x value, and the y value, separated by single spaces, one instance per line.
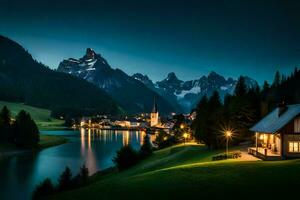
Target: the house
pixel 278 134
pixel 128 123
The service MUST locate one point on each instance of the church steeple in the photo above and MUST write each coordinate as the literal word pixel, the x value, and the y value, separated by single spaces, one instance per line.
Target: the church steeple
pixel 154 109
pixel 154 116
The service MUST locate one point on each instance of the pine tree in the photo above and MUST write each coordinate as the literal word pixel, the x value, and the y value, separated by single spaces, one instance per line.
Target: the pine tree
pixel 277 79
pixel 5 125
pixel 200 125
pixel 146 149
pixel 266 86
pixel 84 174
pixel 26 133
pixel 215 110
pixel 43 189
pixel 65 179
pixel 240 88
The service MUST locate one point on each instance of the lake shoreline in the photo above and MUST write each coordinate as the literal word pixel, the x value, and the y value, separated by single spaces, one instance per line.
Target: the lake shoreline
pixel 46 141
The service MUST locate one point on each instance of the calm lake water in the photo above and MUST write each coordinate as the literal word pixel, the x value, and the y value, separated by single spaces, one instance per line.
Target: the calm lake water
pixel 20 174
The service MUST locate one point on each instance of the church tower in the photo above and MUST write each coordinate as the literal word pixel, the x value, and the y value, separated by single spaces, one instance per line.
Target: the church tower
pixel 154 115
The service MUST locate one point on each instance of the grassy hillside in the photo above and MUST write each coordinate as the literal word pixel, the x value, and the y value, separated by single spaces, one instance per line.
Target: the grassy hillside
pixel 41 116
pixel 183 172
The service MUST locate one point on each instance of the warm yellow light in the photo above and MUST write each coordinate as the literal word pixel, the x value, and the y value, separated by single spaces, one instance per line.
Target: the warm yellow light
pixel 261 137
pixel 181 126
pixel 185 135
pixel 228 133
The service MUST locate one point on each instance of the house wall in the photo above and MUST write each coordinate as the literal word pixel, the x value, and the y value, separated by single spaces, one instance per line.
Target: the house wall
pixel 288 129
pixel 286 139
pixel 277 142
pixel 288 134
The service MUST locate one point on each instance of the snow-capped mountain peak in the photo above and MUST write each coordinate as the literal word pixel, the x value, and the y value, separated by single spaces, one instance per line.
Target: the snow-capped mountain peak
pixel 188 93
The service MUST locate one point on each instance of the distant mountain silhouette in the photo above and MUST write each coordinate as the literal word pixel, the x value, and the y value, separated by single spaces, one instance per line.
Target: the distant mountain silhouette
pixel 25 80
pixel 130 93
pixel 188 93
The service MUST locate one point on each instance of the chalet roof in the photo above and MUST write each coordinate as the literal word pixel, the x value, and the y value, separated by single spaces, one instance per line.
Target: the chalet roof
pixel 274 122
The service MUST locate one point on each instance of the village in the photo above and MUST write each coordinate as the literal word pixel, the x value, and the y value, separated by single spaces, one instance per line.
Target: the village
pixel 143 121
pixel 149 99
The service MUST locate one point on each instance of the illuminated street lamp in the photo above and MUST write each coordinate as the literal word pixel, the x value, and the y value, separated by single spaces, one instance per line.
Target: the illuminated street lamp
pixel 182 126
pixel 228 135
pixel 185 135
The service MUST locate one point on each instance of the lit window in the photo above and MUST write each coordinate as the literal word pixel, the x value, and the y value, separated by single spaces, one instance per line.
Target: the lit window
pixel 294 146
pixel 291 147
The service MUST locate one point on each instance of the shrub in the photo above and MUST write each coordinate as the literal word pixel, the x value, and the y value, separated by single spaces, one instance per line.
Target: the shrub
pixel 82 177
pixel 126 157
pixel 45 188
pixel 65 180
pixel 164 139
pixel 84 173
pixel 224 156
pixel 146 149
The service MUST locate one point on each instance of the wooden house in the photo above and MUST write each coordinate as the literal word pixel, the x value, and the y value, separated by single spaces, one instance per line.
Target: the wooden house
pixel 278 134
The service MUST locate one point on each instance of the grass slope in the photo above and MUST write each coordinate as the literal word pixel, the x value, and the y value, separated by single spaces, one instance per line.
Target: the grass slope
pixel 8 149
pixel 183 172
pixel 41 116
pixel 51 140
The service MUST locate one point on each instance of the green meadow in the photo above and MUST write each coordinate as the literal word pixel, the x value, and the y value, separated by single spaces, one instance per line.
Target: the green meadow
pixel 42 117
pixel 187 171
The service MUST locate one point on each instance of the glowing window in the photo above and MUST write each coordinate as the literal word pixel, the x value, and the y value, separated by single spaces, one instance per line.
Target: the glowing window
pixel 294 146
pixel 291 147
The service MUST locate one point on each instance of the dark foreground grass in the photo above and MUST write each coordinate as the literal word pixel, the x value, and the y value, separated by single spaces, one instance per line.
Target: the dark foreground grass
pixel 187 172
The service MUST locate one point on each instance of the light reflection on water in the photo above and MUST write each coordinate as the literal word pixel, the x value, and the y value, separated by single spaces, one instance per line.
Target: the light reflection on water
pixel 92 147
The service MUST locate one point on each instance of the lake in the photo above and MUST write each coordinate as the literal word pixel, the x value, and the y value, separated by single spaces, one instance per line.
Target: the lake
pixel 95 148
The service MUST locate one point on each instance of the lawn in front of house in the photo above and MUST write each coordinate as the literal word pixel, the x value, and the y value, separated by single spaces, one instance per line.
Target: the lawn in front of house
pixel 187 171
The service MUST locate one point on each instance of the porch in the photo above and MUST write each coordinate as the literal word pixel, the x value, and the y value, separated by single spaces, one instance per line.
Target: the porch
pixel 264 153
pixel 267 147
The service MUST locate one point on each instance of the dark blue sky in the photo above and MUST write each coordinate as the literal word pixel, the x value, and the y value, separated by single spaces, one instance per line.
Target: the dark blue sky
pixel 190 38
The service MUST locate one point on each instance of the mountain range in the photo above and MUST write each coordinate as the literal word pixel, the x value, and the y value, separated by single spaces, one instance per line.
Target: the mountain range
pixel 130 93
pixel 23 79
pixel 188 93
pixel 90 85
pixel 136 92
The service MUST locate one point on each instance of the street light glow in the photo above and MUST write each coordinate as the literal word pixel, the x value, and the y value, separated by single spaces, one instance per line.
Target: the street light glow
pixel 181 126
pixel 228 133
pixel 185 135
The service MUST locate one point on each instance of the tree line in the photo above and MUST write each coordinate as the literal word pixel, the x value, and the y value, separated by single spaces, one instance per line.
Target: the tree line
pixel 238 112
pixel 125 158
pixel 21 131
pixel 66 181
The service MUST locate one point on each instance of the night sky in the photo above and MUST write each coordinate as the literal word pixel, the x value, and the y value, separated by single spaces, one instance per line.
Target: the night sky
pixel 190 38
